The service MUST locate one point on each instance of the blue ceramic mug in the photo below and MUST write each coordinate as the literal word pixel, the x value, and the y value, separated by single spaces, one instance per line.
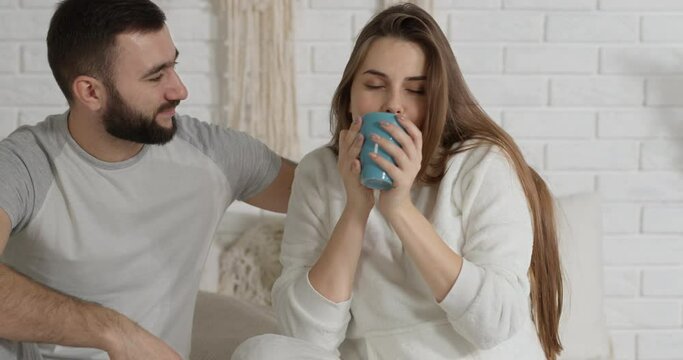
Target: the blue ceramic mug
pixel 372 176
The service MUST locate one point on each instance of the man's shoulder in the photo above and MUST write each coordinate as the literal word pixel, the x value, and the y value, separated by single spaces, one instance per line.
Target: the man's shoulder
pixel 224 146
pixel 47 136
pixel 203 134
pixel 190 126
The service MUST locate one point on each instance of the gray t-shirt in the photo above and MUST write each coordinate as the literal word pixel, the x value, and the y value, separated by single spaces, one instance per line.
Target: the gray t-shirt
pixel 132 235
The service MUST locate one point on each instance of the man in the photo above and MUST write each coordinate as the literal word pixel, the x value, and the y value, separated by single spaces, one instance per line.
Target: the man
pixel 103 235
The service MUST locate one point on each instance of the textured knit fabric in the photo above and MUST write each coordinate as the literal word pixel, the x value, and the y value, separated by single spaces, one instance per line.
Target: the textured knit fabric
pixel 478 209
pixel 132 235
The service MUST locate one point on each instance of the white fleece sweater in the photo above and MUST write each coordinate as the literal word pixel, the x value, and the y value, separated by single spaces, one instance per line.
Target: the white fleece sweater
pixel 479 210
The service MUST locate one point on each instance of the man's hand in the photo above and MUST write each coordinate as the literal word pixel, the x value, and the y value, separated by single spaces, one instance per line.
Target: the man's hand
pixel 131 342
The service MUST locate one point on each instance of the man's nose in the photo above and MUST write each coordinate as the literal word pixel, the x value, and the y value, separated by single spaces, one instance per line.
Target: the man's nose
pixel 177 90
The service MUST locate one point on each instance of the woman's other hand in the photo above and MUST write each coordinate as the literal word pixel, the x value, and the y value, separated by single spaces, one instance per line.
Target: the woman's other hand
pixel 359 199
pixel 408 158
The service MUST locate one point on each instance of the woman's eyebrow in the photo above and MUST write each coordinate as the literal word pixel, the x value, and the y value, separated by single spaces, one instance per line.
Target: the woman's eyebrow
pixel 381 74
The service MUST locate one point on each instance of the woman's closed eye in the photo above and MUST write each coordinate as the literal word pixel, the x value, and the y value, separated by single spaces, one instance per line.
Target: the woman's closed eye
pixel 374 86
pixel 419 91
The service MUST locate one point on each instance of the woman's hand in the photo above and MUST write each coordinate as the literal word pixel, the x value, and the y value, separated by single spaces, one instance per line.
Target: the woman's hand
pixel 408 158
pixel 359 199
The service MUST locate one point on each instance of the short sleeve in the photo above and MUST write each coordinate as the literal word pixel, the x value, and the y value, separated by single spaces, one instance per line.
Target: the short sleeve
pixel 23 168
pixel 248 164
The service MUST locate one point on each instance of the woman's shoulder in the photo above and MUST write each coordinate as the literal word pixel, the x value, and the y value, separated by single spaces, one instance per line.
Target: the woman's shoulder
pixel 477 155
pixel 319 156
pixel 480 165
pixel 318 162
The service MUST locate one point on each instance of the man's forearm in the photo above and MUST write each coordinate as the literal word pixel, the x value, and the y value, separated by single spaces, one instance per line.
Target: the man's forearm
pixel 32 312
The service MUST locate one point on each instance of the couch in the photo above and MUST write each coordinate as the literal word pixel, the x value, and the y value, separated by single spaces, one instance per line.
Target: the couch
pixel 240 308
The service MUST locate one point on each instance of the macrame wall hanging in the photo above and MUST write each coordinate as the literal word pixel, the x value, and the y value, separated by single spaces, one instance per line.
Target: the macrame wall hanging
pixel 257 92
pixel 428 5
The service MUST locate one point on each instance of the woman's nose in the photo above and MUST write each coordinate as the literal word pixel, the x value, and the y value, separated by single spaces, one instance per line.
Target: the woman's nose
pixel 393 104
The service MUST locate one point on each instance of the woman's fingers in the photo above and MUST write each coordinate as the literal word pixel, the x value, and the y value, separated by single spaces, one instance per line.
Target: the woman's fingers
pixel 354 149
pixel 351 142
pixel 396 152
pixel 409 140
pixel 355 167
pixel 349 138
pixel 392 170
pixel 412 130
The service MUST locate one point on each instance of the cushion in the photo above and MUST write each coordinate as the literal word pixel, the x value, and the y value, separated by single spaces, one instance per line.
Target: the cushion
pixel 221 323
pixel 250 265
pixel 583 330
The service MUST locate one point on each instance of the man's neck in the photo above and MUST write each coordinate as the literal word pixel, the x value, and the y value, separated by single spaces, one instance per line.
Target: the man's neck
pixel 90 134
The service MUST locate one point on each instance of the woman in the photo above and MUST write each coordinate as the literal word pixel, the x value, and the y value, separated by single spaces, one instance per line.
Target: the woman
pixel 458 260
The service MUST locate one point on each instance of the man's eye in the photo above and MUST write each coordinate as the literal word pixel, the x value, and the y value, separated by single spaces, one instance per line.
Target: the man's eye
pixel 156 78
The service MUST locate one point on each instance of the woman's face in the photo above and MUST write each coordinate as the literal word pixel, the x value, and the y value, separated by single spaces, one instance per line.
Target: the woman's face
pixel 392 78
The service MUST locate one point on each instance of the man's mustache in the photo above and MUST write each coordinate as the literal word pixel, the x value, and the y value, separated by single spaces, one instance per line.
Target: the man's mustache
pixel 168 106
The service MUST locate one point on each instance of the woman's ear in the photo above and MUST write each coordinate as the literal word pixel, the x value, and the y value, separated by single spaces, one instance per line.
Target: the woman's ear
pixel 90 92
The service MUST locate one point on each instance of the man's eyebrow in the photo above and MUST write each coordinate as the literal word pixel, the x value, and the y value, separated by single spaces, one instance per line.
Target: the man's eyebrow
pixel 381 74
pixel 160 67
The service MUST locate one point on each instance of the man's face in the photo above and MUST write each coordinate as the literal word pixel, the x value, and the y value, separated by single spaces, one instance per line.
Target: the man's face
pixel 144 90
pixel 124 122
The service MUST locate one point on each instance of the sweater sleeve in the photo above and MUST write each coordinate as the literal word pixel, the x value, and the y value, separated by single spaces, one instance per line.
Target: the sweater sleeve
pixel 301 311
pixel 489 301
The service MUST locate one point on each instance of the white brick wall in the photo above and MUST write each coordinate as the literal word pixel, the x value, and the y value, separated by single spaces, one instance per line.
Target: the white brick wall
pixel 661 28
pixel 479 59
pixel 10 54
pixel 624 345
pixel 591 89
pixel 551 59
pixel 589 27
pixel 596 91
pixel 496 26
pixel 660 345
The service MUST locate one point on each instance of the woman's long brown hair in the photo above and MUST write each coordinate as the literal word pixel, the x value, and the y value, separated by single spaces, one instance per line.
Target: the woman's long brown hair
pixel 453 117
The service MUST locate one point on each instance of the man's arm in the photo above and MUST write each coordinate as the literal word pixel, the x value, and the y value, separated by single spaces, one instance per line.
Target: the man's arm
pixel 31 312
pixel 276 196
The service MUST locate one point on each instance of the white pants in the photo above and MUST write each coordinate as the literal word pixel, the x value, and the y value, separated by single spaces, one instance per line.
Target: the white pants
pixel 279 347
pixel 10 350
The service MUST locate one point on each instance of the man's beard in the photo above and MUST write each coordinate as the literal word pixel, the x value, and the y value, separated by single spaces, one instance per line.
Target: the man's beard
pixel 124 122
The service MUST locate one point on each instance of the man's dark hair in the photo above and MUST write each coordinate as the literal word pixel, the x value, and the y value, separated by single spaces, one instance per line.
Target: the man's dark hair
pixel 82 36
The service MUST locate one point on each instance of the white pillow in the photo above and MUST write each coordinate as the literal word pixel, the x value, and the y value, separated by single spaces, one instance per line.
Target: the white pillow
pixel 582 326
pixel 250 266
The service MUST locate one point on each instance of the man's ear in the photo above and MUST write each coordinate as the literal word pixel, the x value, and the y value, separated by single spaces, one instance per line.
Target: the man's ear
pixel 90 92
